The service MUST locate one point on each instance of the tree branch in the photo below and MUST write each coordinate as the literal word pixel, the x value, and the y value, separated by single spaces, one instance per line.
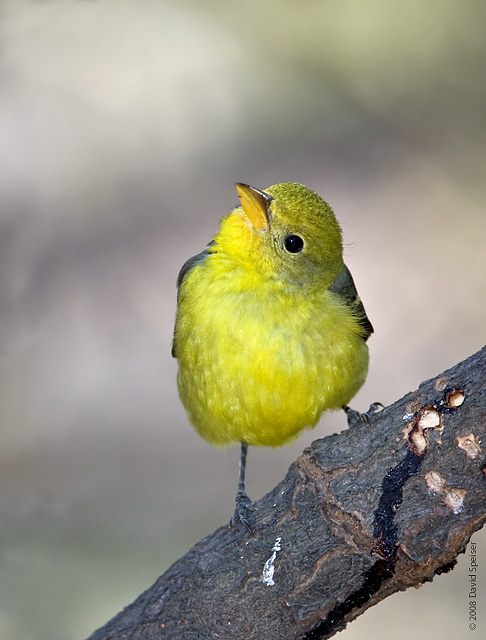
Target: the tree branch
pixel 360 515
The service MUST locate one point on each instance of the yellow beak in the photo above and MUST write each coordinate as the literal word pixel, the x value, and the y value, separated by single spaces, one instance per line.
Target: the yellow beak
pixel 255 203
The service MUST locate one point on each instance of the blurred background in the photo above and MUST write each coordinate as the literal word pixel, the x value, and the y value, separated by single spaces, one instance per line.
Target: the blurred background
pixel 123 127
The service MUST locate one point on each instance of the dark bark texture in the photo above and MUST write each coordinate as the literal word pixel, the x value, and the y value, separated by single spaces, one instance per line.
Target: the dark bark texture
pixel 360 515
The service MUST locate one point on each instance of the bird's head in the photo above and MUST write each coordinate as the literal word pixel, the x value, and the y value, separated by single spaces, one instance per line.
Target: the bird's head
pixel 286 232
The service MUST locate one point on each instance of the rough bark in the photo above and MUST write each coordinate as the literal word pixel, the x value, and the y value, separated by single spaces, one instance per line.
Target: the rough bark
pixel 360 515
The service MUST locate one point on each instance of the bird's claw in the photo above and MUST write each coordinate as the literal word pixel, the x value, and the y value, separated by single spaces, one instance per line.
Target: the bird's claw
pixel 355 417
pixel 244 507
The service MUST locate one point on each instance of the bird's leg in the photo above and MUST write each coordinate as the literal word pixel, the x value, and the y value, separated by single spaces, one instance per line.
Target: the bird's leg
pixel 355 417
pixel 243 503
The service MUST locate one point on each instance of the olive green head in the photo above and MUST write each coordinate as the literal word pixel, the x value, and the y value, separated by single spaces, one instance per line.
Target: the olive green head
pixel 286 232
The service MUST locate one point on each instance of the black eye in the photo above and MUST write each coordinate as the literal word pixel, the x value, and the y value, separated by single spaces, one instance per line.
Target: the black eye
pixel 293 244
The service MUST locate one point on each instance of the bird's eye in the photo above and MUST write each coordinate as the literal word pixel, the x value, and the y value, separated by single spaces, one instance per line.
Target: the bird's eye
pixel 293 243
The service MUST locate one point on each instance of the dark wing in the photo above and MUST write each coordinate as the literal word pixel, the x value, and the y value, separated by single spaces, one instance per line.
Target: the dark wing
pixel 344 287
pixel 190 264
pixel 186 267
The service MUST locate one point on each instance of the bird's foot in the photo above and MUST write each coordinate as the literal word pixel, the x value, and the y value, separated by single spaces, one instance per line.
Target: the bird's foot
pixel 244 508
pixel 355 417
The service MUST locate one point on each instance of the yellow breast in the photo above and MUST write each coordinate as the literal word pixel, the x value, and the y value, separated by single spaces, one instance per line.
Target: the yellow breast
pixel 260 363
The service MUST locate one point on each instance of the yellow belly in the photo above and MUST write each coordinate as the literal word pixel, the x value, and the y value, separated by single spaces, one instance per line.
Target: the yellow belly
pixel 259 369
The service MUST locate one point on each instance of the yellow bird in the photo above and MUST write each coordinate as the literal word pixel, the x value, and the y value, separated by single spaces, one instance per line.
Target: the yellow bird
pixel 270 331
